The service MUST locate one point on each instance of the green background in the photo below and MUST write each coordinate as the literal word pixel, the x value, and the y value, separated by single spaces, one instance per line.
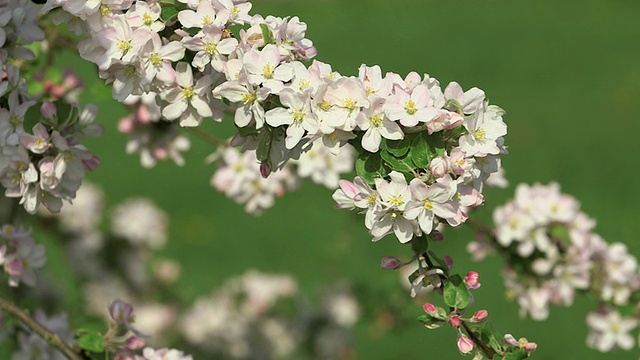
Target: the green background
pixel 567 75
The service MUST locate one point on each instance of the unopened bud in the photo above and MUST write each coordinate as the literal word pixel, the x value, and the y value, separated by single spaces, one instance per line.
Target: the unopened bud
pixel 265 169
pixel 455 321
pixel 48 111
pixel 449 261
pixel 436 235
pixel 479 316
pixel 511 340
pixel 531 347
pixel 438 167
pixel 472 280
pixel 465 344
pixel 429 308
pixel 389 263
pixel 135 343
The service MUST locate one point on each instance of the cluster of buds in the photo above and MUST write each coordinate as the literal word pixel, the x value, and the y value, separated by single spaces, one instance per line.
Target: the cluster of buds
pixel 124 340
pixel 554 254
pixel 20 256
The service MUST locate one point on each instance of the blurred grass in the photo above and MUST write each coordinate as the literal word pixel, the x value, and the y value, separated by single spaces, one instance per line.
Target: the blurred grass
pixel 568 76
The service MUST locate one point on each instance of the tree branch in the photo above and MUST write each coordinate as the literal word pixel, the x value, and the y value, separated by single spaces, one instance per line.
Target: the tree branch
pixel 488 352
pixel 50 337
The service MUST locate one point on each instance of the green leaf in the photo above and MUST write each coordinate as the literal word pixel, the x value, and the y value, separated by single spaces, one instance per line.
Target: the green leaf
pixel 90 340
pixel 168 13
pixel 419 245
pixel 516 354
pixel 264 145
pixel 455 293
pixel 32 117
pixel 431 322
pixel 369 167
pixel 266 34
pixel 247 131
pixel 398 148
pixel 418 151
pixel 403 165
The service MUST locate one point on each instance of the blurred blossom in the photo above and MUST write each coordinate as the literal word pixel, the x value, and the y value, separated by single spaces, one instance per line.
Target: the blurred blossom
pixel 33 347
pixel 140 222
pixel 84 214
pixel 609 330
pixel 243 319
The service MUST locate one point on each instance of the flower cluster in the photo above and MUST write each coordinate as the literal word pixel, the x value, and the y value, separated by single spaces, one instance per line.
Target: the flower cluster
pixel 153 139
pixel 20 256
pixel 555 254
pixel 438 164
pixel 238 175
pixel 44 164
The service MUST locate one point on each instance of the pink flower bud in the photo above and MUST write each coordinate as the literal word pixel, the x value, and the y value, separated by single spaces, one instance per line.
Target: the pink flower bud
pixel 126 125
pixel 436 235
pixel 389 263
pixel 91 163
pixel 265 169
pixel 160 153
pixel 472 280
pixel 57 91
pixel 455 321
pixel 479 316
pixel 449 261
pixel 48 111
pixel 531 347
pixel 438 167
pixel 465 344
pixel 429 308
pixel 135 343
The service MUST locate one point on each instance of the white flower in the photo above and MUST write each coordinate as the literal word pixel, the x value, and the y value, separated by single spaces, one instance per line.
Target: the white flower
pixel 428 202
pixel 484 127
pixel 377 126
pixel 610 330
pixel 188 101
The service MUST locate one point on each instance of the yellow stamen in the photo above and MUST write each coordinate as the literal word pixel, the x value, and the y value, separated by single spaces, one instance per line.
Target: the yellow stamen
pixel 146 18
pixel 210 48
pixel 298 116
pixel 124 45
pixel 479 134
pixel 410 107
pixel 376 120
pixel 105 11
pixel 267 71
pixel 155 59
pixel 187 93
pixel 396 200
pixel 250 97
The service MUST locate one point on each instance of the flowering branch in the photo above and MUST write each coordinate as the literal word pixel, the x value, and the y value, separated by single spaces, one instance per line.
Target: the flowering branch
pixel 50 337
pixel 488 352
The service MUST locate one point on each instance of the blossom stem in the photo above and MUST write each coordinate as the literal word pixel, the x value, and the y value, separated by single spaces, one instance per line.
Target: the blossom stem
pixel 50 337
pixel 488 352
